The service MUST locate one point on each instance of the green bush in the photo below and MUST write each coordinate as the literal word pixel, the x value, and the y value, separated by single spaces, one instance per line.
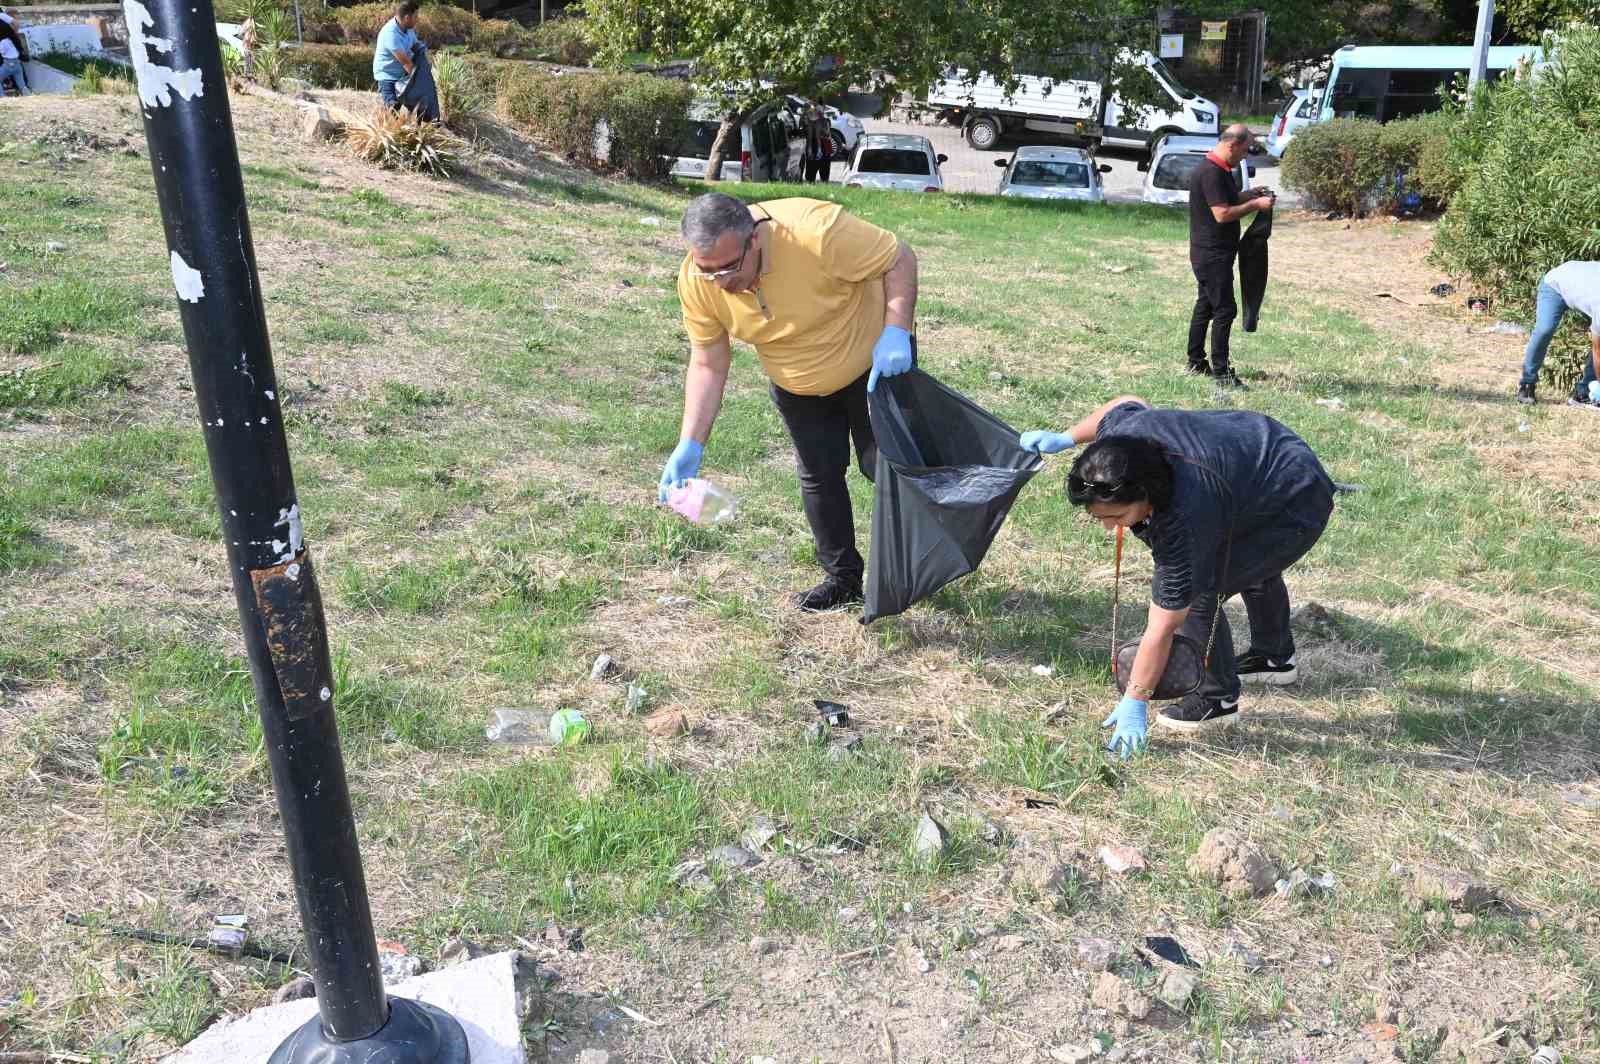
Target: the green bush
pixel 1350 164
pixel 1529 195
pixel 1417 146
pixel 503 38
pixel 565 41
pixel 642 115
pixel 333 66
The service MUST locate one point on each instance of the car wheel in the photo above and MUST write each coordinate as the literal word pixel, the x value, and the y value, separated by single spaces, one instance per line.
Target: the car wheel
pixel 839 145
pixel 983 133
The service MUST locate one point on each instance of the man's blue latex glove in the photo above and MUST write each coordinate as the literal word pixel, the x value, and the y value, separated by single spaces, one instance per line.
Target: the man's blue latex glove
pixel 891 356
pixel 1132 720
pixel 684 463
pixel 1041 442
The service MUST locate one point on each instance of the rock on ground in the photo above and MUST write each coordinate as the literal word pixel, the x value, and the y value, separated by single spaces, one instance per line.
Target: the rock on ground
pixel 1234 864
pixel 1094 954
pixel 1460 890
pixel 1119 997
pixel 318 124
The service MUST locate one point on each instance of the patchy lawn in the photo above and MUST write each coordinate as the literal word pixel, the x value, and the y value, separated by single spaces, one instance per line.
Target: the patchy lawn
pixel 481 379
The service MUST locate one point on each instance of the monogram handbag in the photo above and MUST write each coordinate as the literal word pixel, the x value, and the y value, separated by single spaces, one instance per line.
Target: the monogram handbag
pixel 1186 664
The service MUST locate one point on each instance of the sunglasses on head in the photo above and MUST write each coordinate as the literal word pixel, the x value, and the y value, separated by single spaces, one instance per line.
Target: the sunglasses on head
pixel 1079 487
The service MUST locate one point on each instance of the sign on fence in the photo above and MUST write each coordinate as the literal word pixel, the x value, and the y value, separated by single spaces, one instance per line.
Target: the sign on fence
pixel 1172 46
pixel 1214 31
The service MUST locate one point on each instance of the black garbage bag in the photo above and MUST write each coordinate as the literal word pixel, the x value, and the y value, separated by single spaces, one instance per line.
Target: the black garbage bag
pixel 1253 267
pixel 946 477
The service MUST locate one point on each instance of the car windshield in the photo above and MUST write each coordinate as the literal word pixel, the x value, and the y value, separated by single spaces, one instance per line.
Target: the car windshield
pixel 697 139
pixel 1050 172
pixel 1159 69
pixel 893 161
pixel 1174 171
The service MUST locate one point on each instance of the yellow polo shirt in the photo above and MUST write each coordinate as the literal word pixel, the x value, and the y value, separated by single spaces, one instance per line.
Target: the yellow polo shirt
pixel 821 284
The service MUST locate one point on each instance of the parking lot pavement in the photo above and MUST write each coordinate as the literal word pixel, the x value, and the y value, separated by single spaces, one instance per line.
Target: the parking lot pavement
pixel 974 171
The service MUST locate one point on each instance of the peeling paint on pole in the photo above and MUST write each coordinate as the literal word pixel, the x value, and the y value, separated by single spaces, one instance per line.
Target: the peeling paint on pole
pixel 156 81
pixel 187 280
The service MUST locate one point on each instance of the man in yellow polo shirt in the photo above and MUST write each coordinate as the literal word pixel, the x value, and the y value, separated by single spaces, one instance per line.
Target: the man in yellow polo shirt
pixel 827 300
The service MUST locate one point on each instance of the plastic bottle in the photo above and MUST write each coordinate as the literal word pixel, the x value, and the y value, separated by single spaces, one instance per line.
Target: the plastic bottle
pixel 568 728
pixel 703 503
pixel 1594 392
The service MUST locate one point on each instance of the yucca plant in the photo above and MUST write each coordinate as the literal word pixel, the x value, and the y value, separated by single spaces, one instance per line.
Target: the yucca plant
pixel 460 97
pixel 274 29
pixel 397 140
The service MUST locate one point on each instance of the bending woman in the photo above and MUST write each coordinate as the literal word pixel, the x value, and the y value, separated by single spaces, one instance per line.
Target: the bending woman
pixel 1226 501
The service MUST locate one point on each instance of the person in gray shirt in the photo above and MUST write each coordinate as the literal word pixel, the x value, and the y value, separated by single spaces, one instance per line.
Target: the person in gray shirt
pixel 1571 286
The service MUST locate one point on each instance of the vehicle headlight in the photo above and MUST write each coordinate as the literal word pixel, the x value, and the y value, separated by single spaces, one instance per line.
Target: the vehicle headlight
pixel 1205 118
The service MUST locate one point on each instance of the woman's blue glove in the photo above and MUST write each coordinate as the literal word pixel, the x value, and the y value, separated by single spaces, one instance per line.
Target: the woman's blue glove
pixel 1040 442
pixel 1132 720
pixel 684 463
pixel 891 356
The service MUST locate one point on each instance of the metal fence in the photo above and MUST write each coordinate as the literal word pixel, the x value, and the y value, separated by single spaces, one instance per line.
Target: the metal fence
pixel 1222 58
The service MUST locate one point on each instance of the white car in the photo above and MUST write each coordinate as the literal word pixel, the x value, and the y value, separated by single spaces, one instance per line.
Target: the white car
pixel 1298 112
pixel 1039 172
pixel 767 150
pixel 1171 165
pixel 846 127
pixel 895 160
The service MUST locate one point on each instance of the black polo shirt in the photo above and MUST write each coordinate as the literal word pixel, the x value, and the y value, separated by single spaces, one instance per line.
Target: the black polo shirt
pixel 1212 186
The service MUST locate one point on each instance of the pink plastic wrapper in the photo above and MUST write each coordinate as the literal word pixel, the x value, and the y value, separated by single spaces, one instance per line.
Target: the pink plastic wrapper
pixel 690 499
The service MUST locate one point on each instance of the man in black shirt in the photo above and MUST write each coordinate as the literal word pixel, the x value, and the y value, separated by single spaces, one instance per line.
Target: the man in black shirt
pixel 1216 203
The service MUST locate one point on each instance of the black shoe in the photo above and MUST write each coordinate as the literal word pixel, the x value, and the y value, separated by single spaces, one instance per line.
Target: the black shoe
pixel 1258 668
pixel 1196 713
pixel 1525 394
pixel 1200 369
pixel 1227 378
pixel 1577 399
pixel 831 594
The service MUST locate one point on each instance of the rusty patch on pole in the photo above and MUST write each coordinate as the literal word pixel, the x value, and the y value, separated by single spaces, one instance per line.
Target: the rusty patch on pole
pixel 291 615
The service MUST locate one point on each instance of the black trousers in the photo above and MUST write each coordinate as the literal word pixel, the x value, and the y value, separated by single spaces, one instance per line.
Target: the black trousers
pixel 818 169
pixel 1255 565
pixel 823 428
pixel 1214 307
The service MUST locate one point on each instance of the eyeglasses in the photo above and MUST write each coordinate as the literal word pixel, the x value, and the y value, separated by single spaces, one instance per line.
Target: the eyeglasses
pixel 726 271
pixel 1078 487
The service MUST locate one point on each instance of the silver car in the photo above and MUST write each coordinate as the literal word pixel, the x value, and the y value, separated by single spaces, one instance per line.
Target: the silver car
pixel 895 160
pixel 1299 111
pixel 1171 165
pixel 1052 173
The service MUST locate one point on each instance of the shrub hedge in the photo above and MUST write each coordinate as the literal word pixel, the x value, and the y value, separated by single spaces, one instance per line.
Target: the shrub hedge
pixel 1351 164
pixel 564 40
pixel 333 66
pixel 639 119
pixel 1528 197
pixel 437 24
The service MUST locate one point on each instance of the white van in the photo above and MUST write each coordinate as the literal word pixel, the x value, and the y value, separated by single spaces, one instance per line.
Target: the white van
pixel 1077 108
pixel 1387 82
pixel 768 150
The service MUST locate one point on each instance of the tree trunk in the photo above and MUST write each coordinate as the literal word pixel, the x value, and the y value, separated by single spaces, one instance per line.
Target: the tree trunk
pixel 727 135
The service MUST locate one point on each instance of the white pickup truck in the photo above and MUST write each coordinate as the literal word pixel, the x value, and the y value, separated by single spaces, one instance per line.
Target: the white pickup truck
pixel 1073 108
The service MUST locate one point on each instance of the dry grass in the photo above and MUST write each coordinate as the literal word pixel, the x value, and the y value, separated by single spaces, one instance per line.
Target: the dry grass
pixel 399 140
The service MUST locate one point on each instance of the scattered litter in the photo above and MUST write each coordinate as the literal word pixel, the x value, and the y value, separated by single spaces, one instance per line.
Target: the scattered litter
pixel 1506 328
pixel 930 838
pixel 518 726
pixel 1574 796
pixel 1300 883
pixel 568 727
pixel 1169 949
pixel 666 723
pixel 569 938
pixel 834 714
pixel 1122 859
pixel 397 964
pixel 650 220
pixel 1331 404
pixel 1248 958
pixel 1547 1055
pixel 635 701
pixel 688 871
pixel 760 832
pixel 1442 289
pixel 1118 269
pixel 996 375
pixel 1477 304
pixel 228 938
pixel 605 665
pixel 1039 803
pixel 732 857
pixel 844 749
pixel 1523 426
pixel 54 247
pixel 1380 1032
pixel 233 920
pixel 1391 295
pixel 1333 216
pixel 1046 671
pixel 673 600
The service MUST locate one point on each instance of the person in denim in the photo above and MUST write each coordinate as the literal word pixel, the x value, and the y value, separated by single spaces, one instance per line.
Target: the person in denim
pixel 400 65
pixel 1571 286
pixel 13 53
pixel 1226 500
